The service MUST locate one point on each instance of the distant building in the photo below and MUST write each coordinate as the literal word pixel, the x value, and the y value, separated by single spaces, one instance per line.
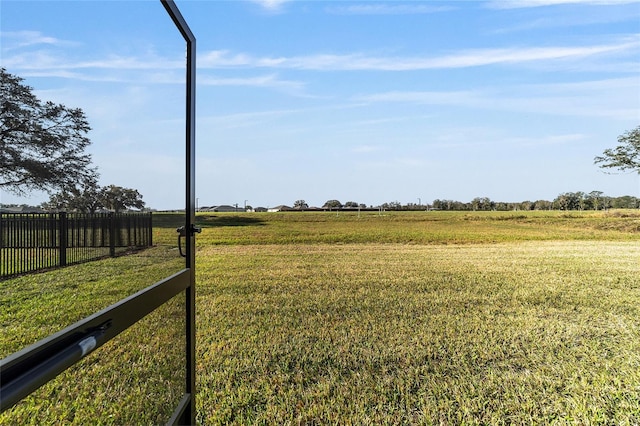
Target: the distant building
pixel 21 209
pixel 226 209
pixel 281 208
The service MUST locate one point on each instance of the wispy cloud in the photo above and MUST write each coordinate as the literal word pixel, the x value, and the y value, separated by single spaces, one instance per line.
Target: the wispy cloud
pixel 21 39
pixel 271 81
pixel 388 9
pixel 34 53
pixel 468 98
pixel 258 118
pixel 271 5
pixel 516 4
pixel 462 59
pixel 571 138
pixel 224 58
pixel 583 99
pixel 109 68
pixel 565 21
pixel 48 60
pixel 57 63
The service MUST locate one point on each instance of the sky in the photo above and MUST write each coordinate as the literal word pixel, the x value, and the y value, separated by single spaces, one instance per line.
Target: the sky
pixel 365 101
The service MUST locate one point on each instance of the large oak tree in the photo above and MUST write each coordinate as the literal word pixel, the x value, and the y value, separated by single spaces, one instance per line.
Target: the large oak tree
pixel 42 144
pixel 90 197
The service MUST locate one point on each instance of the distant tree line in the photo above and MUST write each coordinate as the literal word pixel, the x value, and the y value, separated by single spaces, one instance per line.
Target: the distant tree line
pixel 594 200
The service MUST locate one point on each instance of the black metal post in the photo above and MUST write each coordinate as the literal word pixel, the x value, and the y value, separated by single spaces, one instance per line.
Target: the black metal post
pixel 112 235
pixel 187 410
pixel 150 239
pixel 63 229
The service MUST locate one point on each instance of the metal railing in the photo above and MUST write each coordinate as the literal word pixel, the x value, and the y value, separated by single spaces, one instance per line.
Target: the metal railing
pixel 35 241
pixel 24 371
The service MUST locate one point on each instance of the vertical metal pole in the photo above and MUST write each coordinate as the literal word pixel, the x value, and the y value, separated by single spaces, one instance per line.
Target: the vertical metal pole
pixel 62 240
pixel 188 415
pixel 112 234
pixel 150 230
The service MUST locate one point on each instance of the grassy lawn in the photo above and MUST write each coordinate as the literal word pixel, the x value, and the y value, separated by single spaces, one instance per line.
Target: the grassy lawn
pixel 405 318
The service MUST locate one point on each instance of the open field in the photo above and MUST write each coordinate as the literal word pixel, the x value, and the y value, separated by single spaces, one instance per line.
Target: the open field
pixel 407 318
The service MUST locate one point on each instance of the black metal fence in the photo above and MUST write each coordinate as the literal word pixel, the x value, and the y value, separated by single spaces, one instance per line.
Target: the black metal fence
pixel 34 241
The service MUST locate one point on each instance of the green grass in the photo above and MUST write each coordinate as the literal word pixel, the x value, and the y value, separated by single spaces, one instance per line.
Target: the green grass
pixel 407 318
pixel 421 334
pixel 418 227
pixel 136 378
pixel 35 305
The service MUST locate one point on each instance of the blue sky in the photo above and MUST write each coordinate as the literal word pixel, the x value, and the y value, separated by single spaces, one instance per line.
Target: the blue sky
pixel 351 100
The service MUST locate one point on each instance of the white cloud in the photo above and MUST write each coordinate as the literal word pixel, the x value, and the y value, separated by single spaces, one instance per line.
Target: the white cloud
pixel 463 59
pixel 223 58
pixel 388 9
pixel 247 119
pixel 42 60
pixel 271 5
pixel 584 99
pixel 571 138
pixel 21 39
pixel 270 80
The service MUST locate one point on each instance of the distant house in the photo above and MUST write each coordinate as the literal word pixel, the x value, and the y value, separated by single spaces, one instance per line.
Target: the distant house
pixel 21 209
pixel 260 209
pixel 281 208
pixel 226 209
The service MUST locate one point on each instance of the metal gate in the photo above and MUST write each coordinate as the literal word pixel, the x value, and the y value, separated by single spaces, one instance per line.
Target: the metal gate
pixel 23 372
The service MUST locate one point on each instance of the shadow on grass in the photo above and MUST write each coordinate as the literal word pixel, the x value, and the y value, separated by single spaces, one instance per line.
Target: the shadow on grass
pixel 175 220
pixel 168 220
pixel 217 221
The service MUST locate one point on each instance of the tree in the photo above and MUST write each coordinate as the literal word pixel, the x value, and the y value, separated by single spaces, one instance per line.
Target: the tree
pixel 332 204
pixel 117 198
pixel 300 205
pixel 625 202
pixel 89 197
pixel 569 201
pixel 543 205
pixel 42 145
pixel 393 205
pixel 482 203
pixel 595 200
pixel 85 198
pixel 626 156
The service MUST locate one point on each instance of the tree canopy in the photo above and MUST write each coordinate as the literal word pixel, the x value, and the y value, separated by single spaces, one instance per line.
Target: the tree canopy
pixel 85 198
pixel 300 205
pixel 625 156
pixel 42 144
pixel 89 197
pixel 117 198
pixel 332 204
